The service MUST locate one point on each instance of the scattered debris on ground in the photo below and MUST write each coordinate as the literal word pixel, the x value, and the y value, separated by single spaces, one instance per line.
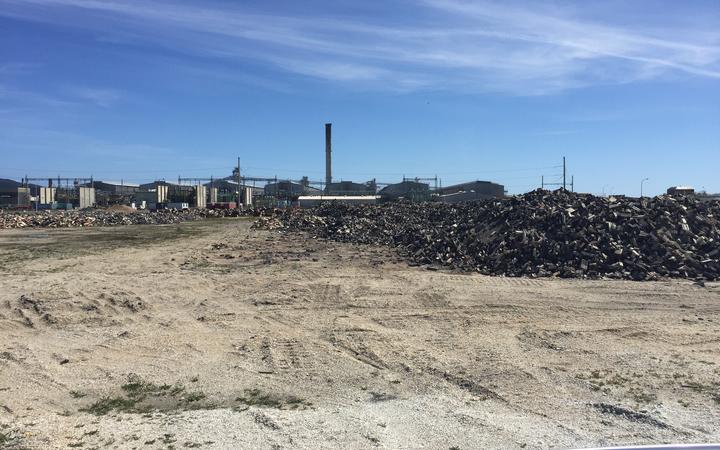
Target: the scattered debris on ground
pixel 112 217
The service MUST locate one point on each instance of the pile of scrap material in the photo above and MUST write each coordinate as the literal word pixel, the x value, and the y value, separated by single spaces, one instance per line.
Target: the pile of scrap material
pixel 268 223
pixel 99 217
pixel 538 234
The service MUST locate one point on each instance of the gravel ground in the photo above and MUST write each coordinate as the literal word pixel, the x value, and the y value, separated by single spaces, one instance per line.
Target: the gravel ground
pixel 209 334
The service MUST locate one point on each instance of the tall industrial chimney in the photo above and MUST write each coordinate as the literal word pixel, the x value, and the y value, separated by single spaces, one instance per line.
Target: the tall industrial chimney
pixel 328 156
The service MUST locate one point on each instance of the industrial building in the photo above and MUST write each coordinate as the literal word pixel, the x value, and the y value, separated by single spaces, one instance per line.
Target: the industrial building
pixel 473 190
pixel 680 190
pixel 59 193
pixel 154 185
pixel 111 192
pixel 406 190
pixel 226 192
pixel 9 193
pixel 152 195
pixel 351 188
pixel 114 187
pixel 289 189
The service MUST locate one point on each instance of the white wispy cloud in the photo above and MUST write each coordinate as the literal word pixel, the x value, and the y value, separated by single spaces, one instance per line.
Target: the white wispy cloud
pixel 61 145
pixel 17 68
pixel 455 45
pixel 24 98
pixel 102 97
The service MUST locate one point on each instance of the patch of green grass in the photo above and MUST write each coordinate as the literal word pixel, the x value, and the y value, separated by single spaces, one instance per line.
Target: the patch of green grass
pixel 176 390
pixel 133 388
pixel 140 396
pixel 107 404
pixel 137 388
pixel 194 397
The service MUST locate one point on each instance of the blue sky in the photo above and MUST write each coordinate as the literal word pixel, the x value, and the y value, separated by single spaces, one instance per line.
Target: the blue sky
pixel 466 90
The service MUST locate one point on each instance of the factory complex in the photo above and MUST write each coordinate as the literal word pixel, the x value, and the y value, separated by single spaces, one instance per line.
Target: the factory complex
pixel 233 191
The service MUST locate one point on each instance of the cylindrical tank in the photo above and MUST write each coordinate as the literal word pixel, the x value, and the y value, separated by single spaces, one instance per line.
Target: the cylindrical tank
pixel 247 196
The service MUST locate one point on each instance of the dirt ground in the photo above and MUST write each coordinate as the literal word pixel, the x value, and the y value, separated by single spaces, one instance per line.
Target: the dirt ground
pixel 211 334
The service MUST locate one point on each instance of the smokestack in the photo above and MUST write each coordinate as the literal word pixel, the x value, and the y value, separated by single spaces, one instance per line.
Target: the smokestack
pixel 328 157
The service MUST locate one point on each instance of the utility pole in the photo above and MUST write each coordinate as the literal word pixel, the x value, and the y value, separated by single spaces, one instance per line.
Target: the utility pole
pixel 542 182
pixel 641 186
pixel 239 193
pixel 564 173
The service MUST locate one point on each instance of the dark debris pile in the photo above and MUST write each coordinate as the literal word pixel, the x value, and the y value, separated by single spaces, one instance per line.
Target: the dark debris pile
pixel 538 234
pixel 100 217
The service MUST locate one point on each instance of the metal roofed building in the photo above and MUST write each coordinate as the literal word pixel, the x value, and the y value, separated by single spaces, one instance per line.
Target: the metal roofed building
pixel 227 189
pixel 411 190
pixel 289 189
pixel 351 188
pixel 115 187
pixel 9 192
pixel 473 190
pixel 155 184
pixel 681 190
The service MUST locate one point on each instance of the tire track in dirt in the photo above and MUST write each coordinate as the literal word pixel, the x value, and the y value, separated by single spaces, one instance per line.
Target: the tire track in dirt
pixel 443 278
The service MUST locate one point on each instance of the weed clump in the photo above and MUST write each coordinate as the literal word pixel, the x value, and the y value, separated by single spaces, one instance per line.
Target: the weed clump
pixel 140 397
pixel 107 404
pixel 7 439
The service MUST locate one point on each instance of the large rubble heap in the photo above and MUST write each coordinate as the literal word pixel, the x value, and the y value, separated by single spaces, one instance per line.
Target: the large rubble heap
pixel 537 234
pixel 100 217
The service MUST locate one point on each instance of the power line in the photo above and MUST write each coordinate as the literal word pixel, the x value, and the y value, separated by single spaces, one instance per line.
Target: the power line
pixel 131 171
